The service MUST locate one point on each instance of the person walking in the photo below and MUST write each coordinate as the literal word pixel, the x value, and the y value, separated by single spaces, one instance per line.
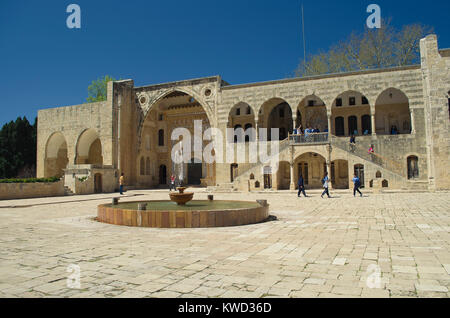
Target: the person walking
pixel 301 187
pixel 172 183
pixel 121 183
pixel 352 143
pixel 325 182
pixel 356 185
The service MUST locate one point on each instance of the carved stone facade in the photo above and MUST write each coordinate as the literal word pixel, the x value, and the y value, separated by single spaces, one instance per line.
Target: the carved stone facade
pixel 403 112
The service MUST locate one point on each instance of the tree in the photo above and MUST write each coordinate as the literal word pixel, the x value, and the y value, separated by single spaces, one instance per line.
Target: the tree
pixel 372 49
pixel 18 149
pixel 97 91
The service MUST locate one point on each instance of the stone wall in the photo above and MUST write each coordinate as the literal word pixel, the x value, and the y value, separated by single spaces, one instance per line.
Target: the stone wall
pixel 10 191
pixel 436 79
pixel 71 122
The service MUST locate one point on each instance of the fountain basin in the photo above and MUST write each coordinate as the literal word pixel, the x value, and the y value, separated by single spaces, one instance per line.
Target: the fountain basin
pixel 195 214
pixel 181 198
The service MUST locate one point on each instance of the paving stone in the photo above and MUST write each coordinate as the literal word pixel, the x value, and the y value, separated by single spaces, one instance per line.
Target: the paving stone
pixel 321 252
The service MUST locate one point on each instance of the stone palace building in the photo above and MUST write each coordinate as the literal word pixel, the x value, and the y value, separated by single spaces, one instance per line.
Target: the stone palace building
pixel 403 112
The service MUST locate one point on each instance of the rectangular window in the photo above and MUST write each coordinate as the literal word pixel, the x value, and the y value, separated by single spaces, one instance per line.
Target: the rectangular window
pixel 338 102
pixel 352 101
pixel 160 117
pixel 364 101
pixel 238 112
pixel 310 103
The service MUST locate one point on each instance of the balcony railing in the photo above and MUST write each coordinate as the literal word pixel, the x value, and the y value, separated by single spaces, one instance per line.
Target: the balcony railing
pixel 313 138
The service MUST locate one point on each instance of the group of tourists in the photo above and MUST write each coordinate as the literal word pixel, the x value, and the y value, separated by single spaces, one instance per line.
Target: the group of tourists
pixel 309 130
pixel 325 184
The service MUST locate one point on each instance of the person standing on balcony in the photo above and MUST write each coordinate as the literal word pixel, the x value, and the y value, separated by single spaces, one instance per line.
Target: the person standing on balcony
pixel 356 185
pixel 301 187
pixel 325 183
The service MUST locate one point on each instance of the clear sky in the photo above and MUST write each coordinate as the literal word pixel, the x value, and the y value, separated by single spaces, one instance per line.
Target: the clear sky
pixel 44 64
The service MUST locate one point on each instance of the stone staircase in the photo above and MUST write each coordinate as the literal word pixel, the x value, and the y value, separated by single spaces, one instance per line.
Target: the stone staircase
pixel 68 191
pixel 383 163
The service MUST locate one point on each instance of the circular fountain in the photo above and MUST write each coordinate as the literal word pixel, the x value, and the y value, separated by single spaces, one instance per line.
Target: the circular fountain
pixel 181 211
pixel 191 214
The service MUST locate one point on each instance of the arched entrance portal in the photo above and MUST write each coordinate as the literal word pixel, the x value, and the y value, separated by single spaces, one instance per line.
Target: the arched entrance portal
pixel 56 158
pixel 175 110
pixel 312 167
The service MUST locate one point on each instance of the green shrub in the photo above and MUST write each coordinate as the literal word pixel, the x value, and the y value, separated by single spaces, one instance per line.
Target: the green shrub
pixel 31 180
pixel 82 179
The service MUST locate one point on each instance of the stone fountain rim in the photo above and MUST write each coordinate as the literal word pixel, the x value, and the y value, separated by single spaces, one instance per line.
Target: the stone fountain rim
pixel 109 205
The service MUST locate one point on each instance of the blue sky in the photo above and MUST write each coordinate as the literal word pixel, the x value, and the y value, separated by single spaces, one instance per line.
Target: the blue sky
pixel 44 64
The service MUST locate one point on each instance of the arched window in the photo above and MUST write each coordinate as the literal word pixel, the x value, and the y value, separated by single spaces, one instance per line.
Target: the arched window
pixel 249 133
pixel 352 125
pixel 378 175
pixel 147 166
pixel 249 110
pixel 238 135
pixel 142 167
pixel 413 167
pixel 366 125
pixel 339 126
pixel 161 137
pixel 147 142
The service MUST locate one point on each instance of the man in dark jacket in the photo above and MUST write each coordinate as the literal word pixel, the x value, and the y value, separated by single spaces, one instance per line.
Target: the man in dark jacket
pixel 301 187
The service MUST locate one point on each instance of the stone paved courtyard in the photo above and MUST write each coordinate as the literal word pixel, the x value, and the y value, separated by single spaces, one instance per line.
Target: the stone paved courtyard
pixel 317 248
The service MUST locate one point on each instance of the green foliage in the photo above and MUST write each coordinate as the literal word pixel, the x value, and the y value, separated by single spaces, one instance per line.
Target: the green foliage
pixel 82 179
pixel 97 91
pixel 31 180
pixel 372 49
pixel 18 148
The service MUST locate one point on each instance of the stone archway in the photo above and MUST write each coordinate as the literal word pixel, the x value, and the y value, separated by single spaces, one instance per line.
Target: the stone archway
pixel 312 166
pixel 56 158
pixel 89 148
pixel 276 113
pixel 392 113
pixel 313 114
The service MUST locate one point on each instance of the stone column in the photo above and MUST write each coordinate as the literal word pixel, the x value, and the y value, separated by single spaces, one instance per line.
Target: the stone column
pixel 330 184
pixel 329 125
pixel 374 130
pixel 292 186
pixel 257 132
pixel 413 126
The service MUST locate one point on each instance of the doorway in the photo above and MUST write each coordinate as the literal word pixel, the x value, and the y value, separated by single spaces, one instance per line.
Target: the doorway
pixel 194 172
pixel 98 188
pixel 162 175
